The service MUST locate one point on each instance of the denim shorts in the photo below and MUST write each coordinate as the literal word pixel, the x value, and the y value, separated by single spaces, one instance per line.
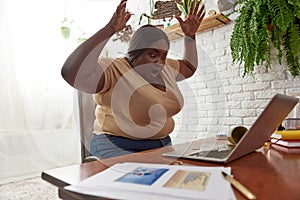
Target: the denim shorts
pixel 107 146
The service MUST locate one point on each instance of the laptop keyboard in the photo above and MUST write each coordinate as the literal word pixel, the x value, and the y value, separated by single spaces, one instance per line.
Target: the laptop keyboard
pixel 214 153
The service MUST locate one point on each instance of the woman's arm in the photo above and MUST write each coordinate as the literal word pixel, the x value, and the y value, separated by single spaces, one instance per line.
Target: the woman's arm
pixel 81 69
pixel 189 27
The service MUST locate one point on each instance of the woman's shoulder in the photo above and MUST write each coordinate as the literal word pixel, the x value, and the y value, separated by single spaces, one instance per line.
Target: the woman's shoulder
pixel 121 61
pixel 113 63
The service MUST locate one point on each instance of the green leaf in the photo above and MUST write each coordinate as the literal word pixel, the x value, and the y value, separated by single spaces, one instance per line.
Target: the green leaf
pixel 144 15
pixel 281 14
pixel 294 2
pixel 181 8
pixel 294 36
pixel 293 62
pixel 184 7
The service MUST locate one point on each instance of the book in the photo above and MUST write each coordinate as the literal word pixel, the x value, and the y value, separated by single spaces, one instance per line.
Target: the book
pixel 286 143
pixel 287 135
pixel 286 150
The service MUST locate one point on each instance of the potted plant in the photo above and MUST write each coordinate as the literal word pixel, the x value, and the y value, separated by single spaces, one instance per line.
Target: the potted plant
pixel 65 28
pixel 184 6
pixel 261 25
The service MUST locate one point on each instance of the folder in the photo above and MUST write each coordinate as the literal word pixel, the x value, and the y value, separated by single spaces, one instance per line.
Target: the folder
pixel 287 135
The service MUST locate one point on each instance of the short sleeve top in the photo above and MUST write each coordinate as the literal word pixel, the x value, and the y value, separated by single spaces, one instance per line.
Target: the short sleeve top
pixel 130 107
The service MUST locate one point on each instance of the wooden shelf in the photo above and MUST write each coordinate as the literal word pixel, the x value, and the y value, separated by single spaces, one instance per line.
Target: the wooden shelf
pixel 174 31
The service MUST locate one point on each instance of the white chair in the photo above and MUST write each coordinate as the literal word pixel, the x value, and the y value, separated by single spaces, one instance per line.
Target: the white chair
pixel 86 117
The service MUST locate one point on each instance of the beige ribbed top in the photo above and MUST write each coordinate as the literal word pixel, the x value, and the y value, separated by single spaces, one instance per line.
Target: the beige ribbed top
pixel 129 106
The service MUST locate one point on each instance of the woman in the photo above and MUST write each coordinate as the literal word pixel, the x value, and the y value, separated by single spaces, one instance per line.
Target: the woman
pixel 136 96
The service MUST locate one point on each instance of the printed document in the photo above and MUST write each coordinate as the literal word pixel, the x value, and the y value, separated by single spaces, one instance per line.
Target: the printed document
pixel 136 181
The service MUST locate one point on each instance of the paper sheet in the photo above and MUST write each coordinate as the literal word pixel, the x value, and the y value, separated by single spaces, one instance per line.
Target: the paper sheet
pixel 137 181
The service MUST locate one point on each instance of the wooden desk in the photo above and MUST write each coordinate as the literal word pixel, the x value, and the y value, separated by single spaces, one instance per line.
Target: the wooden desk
pixel 269 173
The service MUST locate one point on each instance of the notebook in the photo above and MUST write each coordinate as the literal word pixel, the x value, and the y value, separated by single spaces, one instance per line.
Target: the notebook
pixel 261 130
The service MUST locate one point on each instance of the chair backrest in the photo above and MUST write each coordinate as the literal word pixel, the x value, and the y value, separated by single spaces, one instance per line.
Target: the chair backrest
pixel 86 108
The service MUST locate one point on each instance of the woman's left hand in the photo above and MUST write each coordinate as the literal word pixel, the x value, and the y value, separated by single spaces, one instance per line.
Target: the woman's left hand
pixel 192 21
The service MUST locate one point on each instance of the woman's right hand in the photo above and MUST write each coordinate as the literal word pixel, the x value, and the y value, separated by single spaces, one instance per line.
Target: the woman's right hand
pixel 120 17
pixel 81 69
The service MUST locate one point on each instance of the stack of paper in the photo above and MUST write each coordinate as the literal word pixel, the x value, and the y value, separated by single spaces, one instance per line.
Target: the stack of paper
pixel 165 182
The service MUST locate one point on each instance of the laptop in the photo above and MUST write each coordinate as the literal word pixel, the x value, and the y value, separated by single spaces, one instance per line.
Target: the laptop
pixel 268 121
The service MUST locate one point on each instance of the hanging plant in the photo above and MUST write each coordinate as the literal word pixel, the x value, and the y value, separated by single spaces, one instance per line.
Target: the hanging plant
pixel 82 36
pixel 263 24
pixel 65 28
pixel 80 39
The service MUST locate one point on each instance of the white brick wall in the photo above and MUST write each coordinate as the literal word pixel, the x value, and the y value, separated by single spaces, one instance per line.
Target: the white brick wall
pixel 218 97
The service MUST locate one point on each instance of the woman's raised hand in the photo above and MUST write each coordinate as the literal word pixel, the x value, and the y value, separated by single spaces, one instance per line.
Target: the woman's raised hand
pixel 120 17
pixel 192 21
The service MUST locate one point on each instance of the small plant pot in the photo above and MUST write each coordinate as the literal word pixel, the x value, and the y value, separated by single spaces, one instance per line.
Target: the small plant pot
pixel 65 32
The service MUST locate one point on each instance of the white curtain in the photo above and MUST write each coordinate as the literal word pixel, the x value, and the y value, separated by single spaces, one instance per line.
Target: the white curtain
pixel 38 130
pixel 33 94
pixel 36 104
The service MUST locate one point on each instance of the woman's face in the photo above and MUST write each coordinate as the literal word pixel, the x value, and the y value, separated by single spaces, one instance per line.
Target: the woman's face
pixel 150 63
